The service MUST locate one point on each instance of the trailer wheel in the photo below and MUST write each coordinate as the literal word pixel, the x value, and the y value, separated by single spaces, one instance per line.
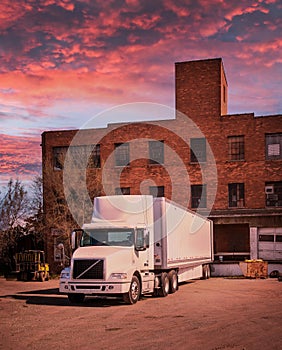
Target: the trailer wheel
pixel 164 290
pixel 206 272
pixel 76 298
pixel 173 281
pixel 134 292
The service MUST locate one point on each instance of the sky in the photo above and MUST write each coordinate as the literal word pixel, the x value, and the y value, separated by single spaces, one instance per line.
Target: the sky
pixel 64 61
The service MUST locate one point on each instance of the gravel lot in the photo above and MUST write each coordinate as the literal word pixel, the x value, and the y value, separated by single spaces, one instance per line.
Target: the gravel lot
pixel 208 315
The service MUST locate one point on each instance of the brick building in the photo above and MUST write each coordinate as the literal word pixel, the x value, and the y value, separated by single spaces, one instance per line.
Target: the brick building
pixel 228 167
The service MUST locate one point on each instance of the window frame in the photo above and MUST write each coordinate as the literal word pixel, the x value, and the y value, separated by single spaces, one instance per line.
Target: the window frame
pixel 125 191
pixel 156 152
pixel 238 189
pixel 236 148
pixel 277 141
pixel 198 150
pixel 274 199
pixel 95 157
pixel 199 196
pixel 160 191
pixel 122 154
pixel 58 165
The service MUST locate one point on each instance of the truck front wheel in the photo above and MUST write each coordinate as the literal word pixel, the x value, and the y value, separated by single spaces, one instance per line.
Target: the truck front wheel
pixel 134 292
pixel 76 298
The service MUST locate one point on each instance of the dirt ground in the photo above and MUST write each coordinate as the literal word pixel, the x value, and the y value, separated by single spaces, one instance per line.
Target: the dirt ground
pixel 208 315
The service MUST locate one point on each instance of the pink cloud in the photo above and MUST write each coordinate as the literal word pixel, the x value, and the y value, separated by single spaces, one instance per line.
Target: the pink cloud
pixel 19 156
pixel 112 55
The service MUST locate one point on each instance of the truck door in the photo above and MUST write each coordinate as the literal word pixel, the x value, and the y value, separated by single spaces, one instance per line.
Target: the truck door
pixel 143 248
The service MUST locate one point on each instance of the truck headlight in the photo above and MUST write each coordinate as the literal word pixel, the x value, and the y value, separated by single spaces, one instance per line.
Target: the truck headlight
pixel 120 276
pixel 65 274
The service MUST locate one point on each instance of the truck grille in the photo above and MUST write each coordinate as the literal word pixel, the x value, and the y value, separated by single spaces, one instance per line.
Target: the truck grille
pixel 88 269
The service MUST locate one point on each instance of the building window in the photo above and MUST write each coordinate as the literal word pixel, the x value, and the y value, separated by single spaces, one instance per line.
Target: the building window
pixel 95 157
pixel 198 196
pixel 79 156
pixel 157 191
pixel 156 152
pixel 122 154
pixel 273 194
pixel 198 150
pixel 236 195
pixel 236 148
pixel 273 143
pixel 266 238
pixel 122 190
pixel 59 156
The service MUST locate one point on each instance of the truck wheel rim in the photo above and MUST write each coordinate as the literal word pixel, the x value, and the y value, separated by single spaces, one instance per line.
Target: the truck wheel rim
pixel 134 290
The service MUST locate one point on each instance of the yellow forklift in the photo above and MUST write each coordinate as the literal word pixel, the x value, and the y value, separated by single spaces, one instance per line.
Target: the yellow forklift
pixel 31 265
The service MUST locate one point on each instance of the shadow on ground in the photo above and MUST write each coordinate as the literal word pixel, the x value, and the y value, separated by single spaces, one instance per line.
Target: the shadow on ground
pixel 52 297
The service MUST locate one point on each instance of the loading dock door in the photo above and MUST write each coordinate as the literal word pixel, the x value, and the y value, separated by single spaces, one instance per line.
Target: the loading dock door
pixel 270 243
pixel 232 241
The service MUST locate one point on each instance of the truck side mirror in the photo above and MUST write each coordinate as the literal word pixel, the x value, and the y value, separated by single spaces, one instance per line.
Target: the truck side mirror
pixel 75 238
pixel 141 239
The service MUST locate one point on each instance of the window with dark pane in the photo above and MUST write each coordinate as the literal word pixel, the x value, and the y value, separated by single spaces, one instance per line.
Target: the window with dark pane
pixel 122 190
pixel 157 191
pixel 273 144
pixel 236 195
pixel 198 150
pixel 236 148
pixel 95 158
pixel 273 194
pixel 156 152
pixel 122 154
pixel 59 156
pixel 198 196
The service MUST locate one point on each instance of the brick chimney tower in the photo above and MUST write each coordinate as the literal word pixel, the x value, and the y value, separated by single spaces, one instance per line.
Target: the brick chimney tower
pixel 201 88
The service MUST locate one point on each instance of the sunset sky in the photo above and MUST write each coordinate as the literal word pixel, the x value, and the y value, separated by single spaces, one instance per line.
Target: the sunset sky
pixel 63 61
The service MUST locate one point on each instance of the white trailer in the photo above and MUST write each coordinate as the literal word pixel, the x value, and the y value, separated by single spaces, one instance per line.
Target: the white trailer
pixel 137 245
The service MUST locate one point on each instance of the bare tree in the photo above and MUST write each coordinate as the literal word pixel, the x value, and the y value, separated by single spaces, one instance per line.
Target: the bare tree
pixel 13 213
pixel 66 203
pixel 35 220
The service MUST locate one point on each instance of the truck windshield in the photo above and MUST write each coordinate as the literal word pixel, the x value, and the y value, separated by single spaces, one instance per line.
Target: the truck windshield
pixel 97 237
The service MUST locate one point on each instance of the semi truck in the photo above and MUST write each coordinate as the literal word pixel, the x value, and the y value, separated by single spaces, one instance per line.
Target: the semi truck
pixel 137 245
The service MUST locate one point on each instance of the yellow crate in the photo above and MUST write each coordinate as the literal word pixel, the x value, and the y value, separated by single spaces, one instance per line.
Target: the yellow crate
pixel 254 268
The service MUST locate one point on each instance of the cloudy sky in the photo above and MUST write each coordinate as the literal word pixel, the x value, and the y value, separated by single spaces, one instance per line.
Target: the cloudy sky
pixel 63 61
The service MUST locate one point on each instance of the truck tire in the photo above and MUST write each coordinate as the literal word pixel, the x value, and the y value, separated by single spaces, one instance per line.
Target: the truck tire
pixel 134 292
pixel 164 289
pixel 173 281
pixel 76 298
pixel 206 272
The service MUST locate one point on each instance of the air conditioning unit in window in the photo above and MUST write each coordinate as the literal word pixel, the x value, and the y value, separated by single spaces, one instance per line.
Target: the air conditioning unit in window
pixel 269 189
pixel 272 197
